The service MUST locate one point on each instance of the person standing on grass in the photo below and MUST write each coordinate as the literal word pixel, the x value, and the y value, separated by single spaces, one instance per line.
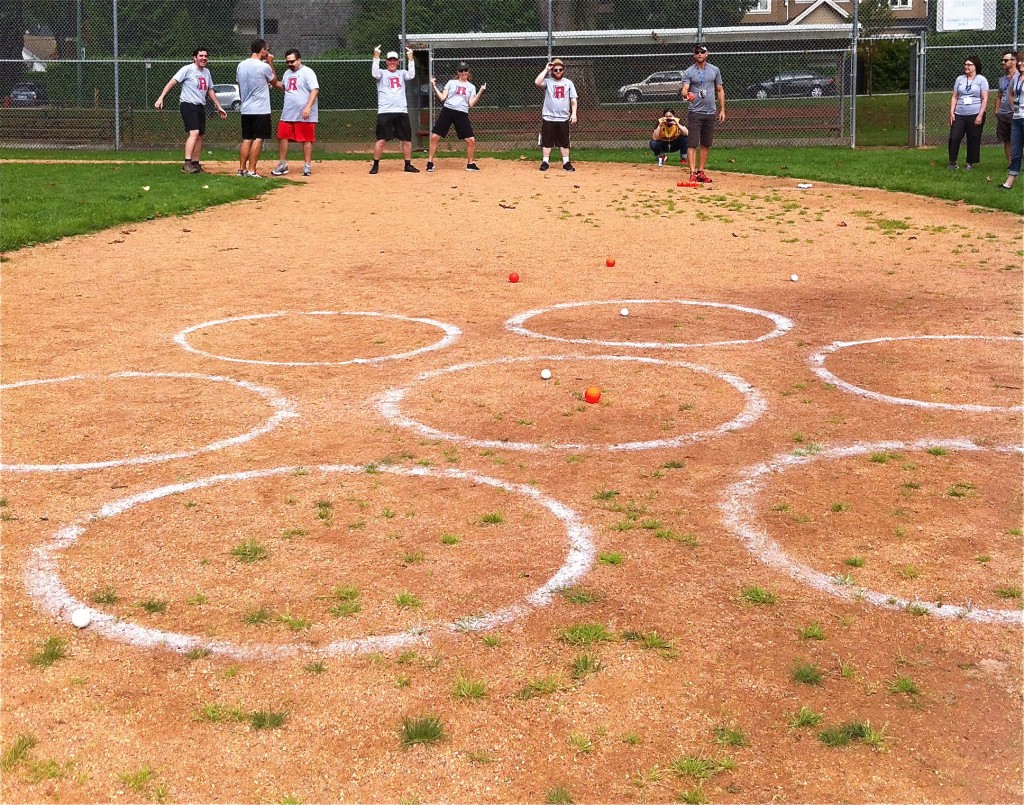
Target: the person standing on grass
pixel 300 113
pixel 196 86
pixel 558 112
pixel 255 77
pixel 1016 124
pixel 1004 110
pixel 393 106
pixel 967 113
pixel 457 98
pixel 702 87
pixel 669 136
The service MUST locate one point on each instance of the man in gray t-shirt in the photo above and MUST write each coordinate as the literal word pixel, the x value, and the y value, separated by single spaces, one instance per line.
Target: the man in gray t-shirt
pixel 196 86
pixel 255 77
pixel 392 106
pixel 702 87
pixel 557 113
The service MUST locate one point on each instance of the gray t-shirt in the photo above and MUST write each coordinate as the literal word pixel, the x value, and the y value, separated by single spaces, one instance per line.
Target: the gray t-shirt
pixel 298 86
pixel 968 94
pixel 459 93
pixel 703 81
pixel 1004 109
pixel 194 83
pixel 391 87
pixel 557 95
pixel 254 77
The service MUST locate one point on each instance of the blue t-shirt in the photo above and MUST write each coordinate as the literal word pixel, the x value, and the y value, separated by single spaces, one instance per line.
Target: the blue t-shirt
pixel 703 81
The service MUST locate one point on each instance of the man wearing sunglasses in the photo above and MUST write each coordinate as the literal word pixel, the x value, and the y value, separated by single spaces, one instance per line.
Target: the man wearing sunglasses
pixel 558 113
pixel 1004 109
pixel 702 86
pixel 300 113
pixel 457 98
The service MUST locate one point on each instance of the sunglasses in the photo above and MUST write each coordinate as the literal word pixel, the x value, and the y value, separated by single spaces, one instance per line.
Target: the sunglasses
pixel 1009 60
pixel 290 62
pixel 557 70
pixel 464 71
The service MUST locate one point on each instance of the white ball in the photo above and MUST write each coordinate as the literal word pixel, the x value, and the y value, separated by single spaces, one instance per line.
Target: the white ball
pixel 545 374
pixel 624 311
pixel 793 277
pixel 81 618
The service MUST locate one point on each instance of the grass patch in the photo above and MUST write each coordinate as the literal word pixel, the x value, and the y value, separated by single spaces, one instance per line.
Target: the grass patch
pixel 424 730
pixel 105 595
pixel 50 651
pixel 804 717
pixel 469 689
pixel 154 606
pixel 730 736
pixel 584 665
pixel 961 489
pixel 652 641
pixel 256 617
pixel 450 539
pixel 558 796
pixel 807 673
pixel 267 719
pixel 49 769
pixel 315 668
pixel 581 743
pixel 18 751
pixel 540 686
pixel 579 595
pixel 812 631
pixel 492 518
pixel 586 634
pixel 606 494
pixel 689 540
pixel 937 451
pixel 693 796
pixel 406 600
pixel 1008 591
pixel 904 684
pixel 758 596
pixel 700 766
pixel 138 780
pixel 853 731
pixel 198 653
pixel 612 558
pixel 249 551
pixel 491 640
pixel 294 622
pixel 854 561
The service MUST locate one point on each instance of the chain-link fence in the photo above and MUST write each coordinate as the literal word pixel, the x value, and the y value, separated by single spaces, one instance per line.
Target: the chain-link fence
pixel 86 72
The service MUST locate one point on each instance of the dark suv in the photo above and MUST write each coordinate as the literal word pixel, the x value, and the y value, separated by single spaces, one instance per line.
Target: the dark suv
pixel 27 93
pixel 792 85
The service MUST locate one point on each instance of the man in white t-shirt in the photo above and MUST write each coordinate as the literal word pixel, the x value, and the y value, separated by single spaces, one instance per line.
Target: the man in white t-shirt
pixel 392 106
pixel 196 86
pixel 255 77
pixel 558 112
pixel 457 98
pixel 300 113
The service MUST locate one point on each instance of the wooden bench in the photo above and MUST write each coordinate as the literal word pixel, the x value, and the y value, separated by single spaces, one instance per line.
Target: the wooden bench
pixel 59 127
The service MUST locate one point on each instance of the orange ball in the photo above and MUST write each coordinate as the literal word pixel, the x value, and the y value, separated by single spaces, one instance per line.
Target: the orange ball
pixel 592 394
pixel 610 262
pixel 513 277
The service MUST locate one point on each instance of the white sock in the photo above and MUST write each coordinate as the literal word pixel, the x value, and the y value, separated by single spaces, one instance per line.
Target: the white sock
pixel 543 159
pixel 565 160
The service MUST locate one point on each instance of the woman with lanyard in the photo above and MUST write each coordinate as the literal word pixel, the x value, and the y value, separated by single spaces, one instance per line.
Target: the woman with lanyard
pixel 1016 125
pixel 967 113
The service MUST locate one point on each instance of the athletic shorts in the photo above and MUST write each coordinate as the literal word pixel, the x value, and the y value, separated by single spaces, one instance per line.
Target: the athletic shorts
pixel 554 133
pixel 702 129
pixel 394 126
pixel 1003 125
pixel 452 117
pixel 256 127
pixel 298 131
pixel 193 115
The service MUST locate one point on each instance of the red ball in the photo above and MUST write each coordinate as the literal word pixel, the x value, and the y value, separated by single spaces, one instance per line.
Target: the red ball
pixel 680 184
pixel 513 277
pixel 610 262
pixel 592 394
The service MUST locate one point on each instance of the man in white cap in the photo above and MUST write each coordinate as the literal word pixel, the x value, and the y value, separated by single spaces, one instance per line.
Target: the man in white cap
pixel 702 86
pixel 392 106
pixel 457 98
pixel 558 112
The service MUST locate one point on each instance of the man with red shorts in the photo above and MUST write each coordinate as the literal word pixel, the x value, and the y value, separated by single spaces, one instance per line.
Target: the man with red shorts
pixel 300 113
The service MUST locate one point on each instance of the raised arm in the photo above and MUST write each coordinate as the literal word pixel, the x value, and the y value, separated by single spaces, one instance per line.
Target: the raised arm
pixel 441 96
pixel 539 80
pixel 410 65
pixel 375 70
pixel 476 97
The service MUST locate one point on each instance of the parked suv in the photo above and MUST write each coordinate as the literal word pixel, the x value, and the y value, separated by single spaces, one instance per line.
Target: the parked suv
pixel 228 96
pixel 792 85
pixel 658 86
pixel 28 93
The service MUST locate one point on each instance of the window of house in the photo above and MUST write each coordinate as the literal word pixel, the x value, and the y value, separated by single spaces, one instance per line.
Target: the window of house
pixel 761 7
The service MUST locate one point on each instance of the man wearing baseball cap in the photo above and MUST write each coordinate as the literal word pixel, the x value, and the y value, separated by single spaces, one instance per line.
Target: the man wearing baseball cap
pixel 702 86
pixel 558 112
pixel 392 106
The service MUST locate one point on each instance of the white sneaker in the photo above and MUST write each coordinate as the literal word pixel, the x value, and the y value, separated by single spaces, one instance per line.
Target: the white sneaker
pixel 661 162
pixel 306 171
pixel 280 170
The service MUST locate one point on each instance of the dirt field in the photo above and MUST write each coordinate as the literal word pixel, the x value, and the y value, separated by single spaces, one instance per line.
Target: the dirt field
pixel 622 601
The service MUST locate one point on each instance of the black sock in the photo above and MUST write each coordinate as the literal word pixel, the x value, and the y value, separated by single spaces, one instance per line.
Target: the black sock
pixel 408 162
pixel 376 162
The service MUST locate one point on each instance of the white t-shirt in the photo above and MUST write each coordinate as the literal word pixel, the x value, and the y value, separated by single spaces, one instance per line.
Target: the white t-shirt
pixel 557 95
pixel 298 85
pixel 391 87
pixel 254 77
pixel 459 95
pixel 194 83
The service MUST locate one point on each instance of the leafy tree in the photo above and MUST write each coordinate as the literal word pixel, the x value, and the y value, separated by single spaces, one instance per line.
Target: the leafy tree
pixel 875 16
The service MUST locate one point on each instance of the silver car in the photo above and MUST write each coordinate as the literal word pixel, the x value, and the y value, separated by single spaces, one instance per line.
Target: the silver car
pixel 228 96
pixel 661 86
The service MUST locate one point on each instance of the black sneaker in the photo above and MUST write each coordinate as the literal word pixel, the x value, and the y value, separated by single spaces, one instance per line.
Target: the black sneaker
pixel 186 167
pixel 410 168
pixel 567 166
pixel 373 169
pixel 544 166
pixel 430 167
pixel 471 166
pixel 198 167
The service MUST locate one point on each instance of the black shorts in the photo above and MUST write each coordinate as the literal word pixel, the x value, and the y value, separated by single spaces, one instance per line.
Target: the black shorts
pixel 554 133
pixel 394 126
pixel 1003 125
pixel 701 128
pixel 449 118
pixel 193 115
pixel 256 127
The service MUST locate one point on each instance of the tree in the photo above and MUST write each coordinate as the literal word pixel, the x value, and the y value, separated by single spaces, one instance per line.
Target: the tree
pixel 875 17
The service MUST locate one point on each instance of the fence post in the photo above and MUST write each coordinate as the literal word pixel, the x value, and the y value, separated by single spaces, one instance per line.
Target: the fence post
pixel 117 81
pixel 263 20
pixel 551 23
pixel 78 52
pixel 700 20
pixel 403 32
pixel 855 41
pixel 1016 23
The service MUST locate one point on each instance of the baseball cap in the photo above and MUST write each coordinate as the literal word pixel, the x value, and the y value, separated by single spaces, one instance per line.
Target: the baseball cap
pixel 699 48
pixel 392 54
pixel 461 66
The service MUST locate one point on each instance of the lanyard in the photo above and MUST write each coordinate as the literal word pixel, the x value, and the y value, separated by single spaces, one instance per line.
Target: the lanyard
pixel 967 87
pixel 700 76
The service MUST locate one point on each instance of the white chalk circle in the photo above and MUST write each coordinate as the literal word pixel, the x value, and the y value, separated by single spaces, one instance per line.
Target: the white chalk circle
pixel 283 409
pixel 389 406
pixel 817 362
pixel 782 324
pixel 739 507
pixel 451 333
pixel 44 584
